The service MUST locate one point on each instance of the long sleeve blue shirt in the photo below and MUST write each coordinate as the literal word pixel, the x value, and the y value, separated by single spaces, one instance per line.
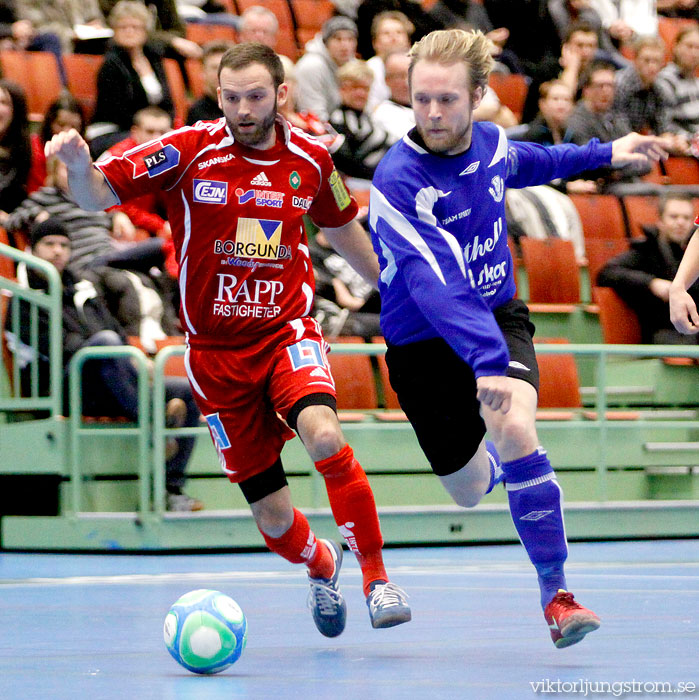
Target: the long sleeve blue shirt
pixel 438 227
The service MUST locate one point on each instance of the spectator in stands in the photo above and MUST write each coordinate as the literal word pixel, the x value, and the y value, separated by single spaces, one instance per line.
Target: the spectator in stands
pixel 679 81
pixel 594 117
pixel 145 212
pixel 79 24
pixel 395 115
pixel 687 9
pixel 132 77
pixel 20 35
pixel 577 52
pixel 168 31
pixel 390 32
pixel 63 114
pixel 206 107
pixel 549 126
pixel 365 141
pixel 641 99
pixel 627 20
pixel 318 90
pixel 643 275
pixel 15 148
pixel 98 238
pixel 206 12
pixel 303 119
pixel 345 304
pixel 110 386
pixel 259 24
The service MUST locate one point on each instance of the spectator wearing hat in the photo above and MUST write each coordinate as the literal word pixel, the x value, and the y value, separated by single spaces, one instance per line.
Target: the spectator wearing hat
pixel 110 386
pixel 316 70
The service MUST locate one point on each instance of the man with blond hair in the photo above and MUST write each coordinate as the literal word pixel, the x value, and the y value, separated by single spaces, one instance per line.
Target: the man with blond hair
pixel 460 351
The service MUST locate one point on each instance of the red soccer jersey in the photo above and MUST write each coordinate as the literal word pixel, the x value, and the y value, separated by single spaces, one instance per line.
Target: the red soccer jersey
pixel 236 215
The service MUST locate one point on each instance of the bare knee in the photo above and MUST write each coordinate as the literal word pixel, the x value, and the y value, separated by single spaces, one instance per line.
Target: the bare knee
pixel 515 436
pixel 274 514
pixel 320 432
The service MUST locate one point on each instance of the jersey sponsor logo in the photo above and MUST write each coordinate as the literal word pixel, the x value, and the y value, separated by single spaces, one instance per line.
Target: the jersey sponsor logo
pixel 215 160
pixel 475 249
pixel 153 159
pixel 455 217
pixel 306 353
pixel 492 273
pixel 255 238
pixel 210 191
pixel 342 198
pixel 263 198
pixel 302 202
pixel 247 297
pixel 497 188
pixel 471 168
pixel 260 180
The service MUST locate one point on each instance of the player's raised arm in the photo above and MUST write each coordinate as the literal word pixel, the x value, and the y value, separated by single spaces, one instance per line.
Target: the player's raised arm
pixel 683 310
pixel 352 242
pixel 87 184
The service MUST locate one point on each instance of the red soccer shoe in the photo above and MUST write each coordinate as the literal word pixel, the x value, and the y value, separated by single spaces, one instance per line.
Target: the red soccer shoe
pixel 569 621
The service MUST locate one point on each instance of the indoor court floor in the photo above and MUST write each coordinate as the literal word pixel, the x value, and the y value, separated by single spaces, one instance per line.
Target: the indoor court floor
pixel 90 627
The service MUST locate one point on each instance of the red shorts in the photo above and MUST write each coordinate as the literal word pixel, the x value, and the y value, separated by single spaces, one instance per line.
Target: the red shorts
pixel 246 393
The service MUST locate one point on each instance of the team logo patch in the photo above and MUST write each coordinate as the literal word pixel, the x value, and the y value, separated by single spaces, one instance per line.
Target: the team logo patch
pixel 153 158
pixel 259 238
pixel 342 198
pixel 295 180
pixel 210 192
pixel 263 198
pixel 497 188
pixel 306 353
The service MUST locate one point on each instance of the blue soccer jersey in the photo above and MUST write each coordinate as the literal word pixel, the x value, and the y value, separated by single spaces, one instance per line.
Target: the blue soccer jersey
pixel 438 227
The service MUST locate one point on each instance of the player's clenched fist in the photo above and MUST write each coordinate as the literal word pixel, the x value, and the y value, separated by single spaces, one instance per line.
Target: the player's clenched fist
pixel 495 392
pixel 70 148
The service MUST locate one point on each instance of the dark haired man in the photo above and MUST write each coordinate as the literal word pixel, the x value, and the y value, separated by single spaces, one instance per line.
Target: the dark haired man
pixel 236 190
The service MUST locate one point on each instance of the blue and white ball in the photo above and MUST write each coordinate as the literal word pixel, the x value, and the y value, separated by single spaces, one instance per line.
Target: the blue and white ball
pixel 205 631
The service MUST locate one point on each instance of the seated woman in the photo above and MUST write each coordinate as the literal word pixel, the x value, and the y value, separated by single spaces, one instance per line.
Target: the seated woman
pixel 62 115
pixel 132 77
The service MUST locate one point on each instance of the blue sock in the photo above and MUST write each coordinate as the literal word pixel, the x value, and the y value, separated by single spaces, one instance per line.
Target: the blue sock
pixel 535 505
pixel 496 472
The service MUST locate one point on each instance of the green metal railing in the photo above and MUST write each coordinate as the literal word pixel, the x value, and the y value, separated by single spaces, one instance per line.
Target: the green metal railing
pixel 140 430
pixel 39 301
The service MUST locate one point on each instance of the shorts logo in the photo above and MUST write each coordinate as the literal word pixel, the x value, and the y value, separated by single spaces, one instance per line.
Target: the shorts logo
pixel 259 238
pixel 218 432
pixel 153 158
pixel 210 192
pixel 306 353
pixel 263 198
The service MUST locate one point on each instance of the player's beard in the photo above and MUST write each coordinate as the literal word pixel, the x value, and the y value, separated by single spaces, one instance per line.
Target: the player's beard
pixel 260 134
pixel 449 142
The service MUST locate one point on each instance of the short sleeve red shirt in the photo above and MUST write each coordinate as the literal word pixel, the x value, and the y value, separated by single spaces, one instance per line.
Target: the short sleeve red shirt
pixel 236 215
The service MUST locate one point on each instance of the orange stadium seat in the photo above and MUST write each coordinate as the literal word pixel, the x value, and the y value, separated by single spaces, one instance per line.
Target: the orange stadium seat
pixel 599 250
pixel 552 271
pixel 310 16
pixel 354 378
pixel 682 170
pixel 512 91
pixel 203 33
pixel 175 82
pixel 37 73
pixel 601 215
pixel 669 28
pixel 195 75
pixel 640 210
pixel 559 386
pixel 618 321
pixel 82 70
pixel 286 42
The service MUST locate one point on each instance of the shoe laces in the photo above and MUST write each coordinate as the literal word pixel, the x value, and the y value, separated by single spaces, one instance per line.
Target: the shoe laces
pixel 387 595
pixel 324 596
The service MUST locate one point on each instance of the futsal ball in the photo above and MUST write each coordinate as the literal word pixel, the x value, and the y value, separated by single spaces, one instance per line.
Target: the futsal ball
pixel 205 631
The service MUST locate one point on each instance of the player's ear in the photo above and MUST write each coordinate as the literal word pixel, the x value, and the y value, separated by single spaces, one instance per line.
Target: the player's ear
pixel 282 94
pixel 218 98
pixel 477 97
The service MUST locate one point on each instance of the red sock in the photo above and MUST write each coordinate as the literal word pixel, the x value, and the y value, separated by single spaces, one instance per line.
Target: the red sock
pixel 354 509
pixel 300 546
